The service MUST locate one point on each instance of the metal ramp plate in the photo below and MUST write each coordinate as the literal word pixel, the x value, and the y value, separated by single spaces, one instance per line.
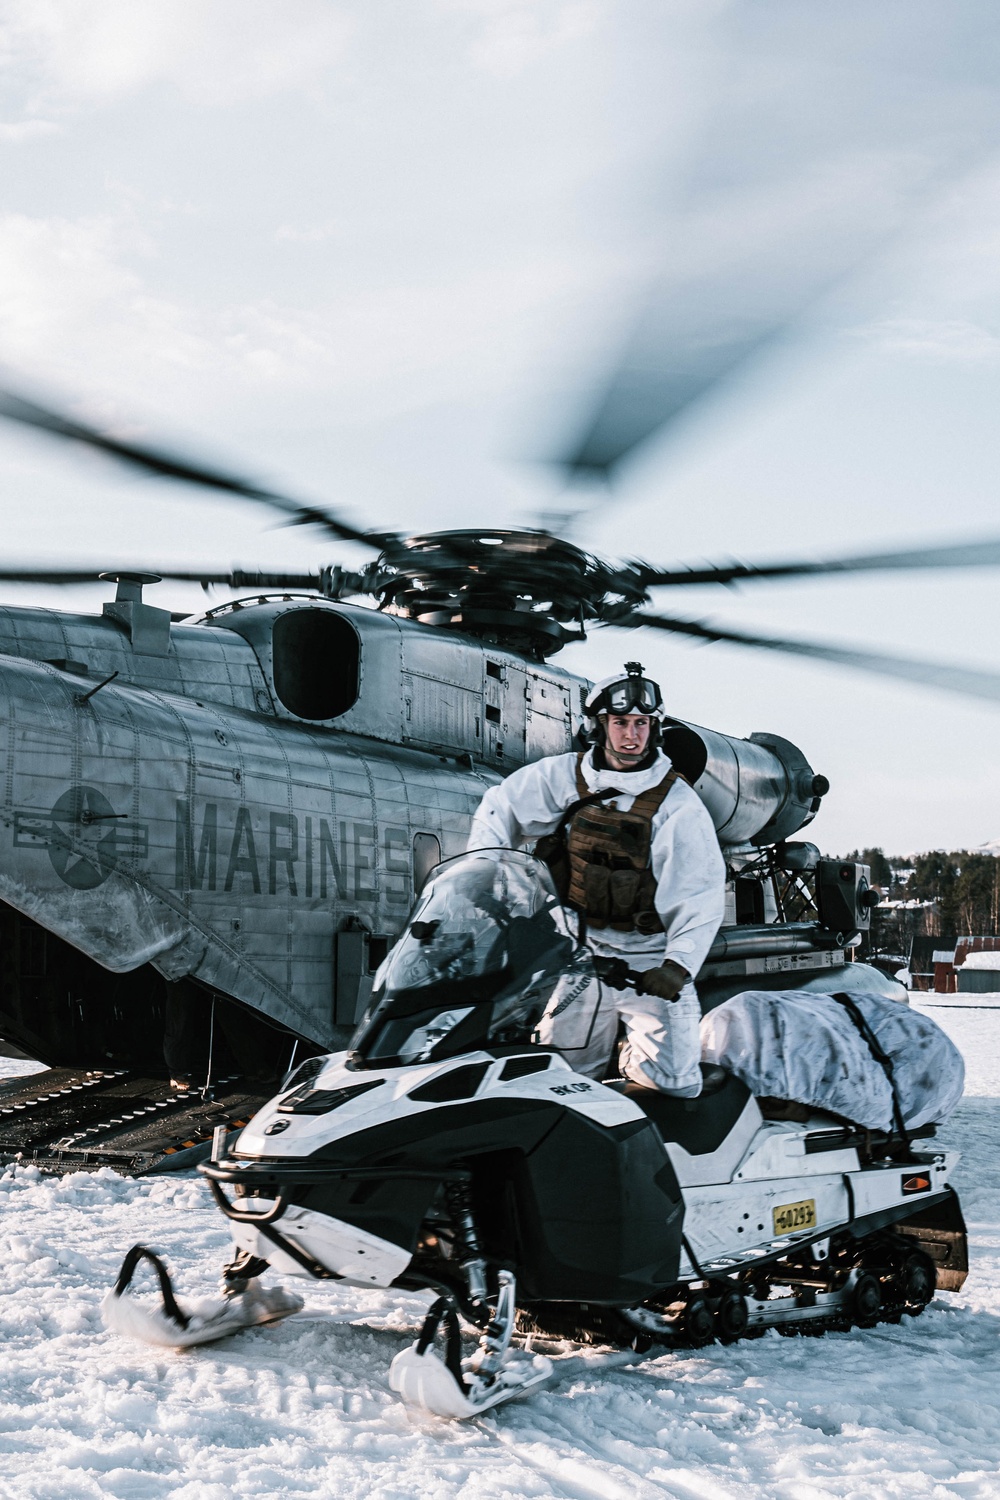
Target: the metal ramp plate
pixel 72 1119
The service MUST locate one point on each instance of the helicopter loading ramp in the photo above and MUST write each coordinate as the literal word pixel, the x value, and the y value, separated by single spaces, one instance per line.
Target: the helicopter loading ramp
pixel 72 1119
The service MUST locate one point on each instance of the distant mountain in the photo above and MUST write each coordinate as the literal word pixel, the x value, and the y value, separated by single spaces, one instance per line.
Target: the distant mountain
pixel 993 847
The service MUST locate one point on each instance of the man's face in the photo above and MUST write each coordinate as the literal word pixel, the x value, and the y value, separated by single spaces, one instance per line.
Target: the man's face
pixel 627 739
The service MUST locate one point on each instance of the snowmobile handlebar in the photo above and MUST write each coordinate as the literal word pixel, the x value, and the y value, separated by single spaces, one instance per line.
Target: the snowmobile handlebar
pixel 615 973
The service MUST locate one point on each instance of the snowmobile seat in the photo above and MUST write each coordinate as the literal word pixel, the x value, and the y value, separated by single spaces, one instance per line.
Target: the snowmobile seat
pixel 698 1125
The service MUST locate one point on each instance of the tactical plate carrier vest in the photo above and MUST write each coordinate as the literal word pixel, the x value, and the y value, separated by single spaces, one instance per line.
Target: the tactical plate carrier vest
pixel 599 857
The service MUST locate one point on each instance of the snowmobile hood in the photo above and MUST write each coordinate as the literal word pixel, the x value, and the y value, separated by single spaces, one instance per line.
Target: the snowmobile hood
pixel 341 1105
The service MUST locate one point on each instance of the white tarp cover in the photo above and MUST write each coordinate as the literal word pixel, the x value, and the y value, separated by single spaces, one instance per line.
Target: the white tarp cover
pixel 795 1044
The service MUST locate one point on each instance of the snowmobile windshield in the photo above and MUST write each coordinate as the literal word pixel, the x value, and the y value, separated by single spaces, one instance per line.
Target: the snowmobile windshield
pixel 486 949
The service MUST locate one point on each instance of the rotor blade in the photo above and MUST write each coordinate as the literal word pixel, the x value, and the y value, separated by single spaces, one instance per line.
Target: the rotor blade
pixel 984 554
pixel 166 465
pixel 965 680
pixel 333 582
pixel 50 575
pixel 649 390
pixel 794 187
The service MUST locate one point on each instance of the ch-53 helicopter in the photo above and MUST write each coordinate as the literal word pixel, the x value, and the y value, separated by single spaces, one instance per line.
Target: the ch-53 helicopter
pixel 213 827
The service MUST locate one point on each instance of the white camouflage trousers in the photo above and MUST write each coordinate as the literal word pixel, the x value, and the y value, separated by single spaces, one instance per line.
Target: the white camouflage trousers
pixel 662 1047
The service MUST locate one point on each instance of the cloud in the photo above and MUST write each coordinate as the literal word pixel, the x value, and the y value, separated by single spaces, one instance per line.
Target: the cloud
pixel 15 132
pixel 84 310
pixel 508 36
pixel 57 274
pixel 834 129
pixel 306 234
pixel 215 53
pixel 938 340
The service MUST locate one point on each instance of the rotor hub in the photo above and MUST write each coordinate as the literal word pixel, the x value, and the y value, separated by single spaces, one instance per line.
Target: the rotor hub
pixel 525 590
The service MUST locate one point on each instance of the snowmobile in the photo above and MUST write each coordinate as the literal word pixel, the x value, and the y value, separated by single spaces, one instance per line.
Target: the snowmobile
pixel 449 1152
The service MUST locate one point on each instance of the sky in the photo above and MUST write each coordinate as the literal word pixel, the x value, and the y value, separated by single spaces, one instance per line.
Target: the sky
pixel 386 258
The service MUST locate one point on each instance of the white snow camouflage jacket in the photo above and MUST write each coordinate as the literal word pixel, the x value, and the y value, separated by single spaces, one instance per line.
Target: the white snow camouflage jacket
pixel 685 856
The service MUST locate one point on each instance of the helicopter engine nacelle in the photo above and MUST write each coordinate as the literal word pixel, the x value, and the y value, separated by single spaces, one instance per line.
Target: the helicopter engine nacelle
pixel 758 790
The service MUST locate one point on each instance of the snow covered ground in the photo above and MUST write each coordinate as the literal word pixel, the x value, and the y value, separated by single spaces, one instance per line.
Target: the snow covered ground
pixel 303 1408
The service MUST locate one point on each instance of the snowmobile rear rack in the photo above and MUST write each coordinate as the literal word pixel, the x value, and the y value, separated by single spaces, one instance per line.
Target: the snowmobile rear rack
pixel 871 1145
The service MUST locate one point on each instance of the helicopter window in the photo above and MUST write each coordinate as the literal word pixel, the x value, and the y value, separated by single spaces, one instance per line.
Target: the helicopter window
pixel 426 854
pixel 316 663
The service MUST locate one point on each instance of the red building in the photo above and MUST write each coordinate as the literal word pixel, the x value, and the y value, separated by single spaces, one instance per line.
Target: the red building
pixel 948 961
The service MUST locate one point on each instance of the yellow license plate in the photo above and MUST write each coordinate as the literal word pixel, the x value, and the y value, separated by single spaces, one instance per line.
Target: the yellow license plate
pixel 788 1217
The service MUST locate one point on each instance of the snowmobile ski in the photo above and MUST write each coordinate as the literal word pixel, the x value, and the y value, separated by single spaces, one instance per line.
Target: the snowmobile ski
pixel 453 1387
pixel 245 1304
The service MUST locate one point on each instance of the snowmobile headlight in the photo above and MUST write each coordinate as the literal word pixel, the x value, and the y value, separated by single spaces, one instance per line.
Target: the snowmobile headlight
pixel 304 1073
pixel 309 1101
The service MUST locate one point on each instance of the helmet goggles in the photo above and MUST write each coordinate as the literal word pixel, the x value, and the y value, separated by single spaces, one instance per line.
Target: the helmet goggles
pixel 633 695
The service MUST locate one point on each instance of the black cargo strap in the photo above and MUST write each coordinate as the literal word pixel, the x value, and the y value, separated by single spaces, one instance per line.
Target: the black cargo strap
pixel 882 1057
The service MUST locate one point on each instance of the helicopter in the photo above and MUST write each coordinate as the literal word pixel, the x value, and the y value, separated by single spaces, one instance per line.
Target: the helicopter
pixel 214 826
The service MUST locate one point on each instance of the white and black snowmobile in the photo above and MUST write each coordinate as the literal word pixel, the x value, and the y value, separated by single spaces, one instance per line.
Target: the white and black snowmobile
pixel 448 1152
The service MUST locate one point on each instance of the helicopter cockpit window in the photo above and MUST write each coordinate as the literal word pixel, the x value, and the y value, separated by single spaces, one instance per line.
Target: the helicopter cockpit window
pixel 316 662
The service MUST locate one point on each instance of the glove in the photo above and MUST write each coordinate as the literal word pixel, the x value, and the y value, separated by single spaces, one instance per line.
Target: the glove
pixel 614 972
pixel 665 983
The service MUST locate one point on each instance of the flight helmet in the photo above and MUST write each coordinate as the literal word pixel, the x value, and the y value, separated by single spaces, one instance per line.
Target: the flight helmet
pixel 631 693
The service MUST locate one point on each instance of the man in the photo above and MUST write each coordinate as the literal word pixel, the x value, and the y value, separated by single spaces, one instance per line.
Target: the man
pixel 642 866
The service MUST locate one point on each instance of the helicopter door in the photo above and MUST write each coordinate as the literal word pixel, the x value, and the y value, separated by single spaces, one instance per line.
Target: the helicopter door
pixel 548 716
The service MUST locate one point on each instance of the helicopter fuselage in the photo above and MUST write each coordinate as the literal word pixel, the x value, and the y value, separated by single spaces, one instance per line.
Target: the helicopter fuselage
pixel 248 800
